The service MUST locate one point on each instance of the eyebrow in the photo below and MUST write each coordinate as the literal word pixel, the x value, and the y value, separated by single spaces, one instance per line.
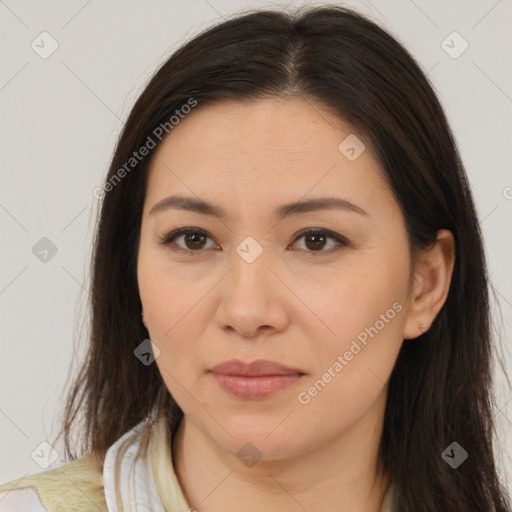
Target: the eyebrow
pixel 296 208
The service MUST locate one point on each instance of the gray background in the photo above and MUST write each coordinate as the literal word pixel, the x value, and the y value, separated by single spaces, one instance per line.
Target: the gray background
pixel 60 120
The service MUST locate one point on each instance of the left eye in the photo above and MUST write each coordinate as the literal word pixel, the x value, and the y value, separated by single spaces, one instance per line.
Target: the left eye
pixel 194 239
pixel 315 237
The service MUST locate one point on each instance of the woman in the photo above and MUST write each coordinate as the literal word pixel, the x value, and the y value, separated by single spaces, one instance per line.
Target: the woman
pixel 287 219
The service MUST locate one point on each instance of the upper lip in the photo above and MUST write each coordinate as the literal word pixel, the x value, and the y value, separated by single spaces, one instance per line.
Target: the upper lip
pixel 253 369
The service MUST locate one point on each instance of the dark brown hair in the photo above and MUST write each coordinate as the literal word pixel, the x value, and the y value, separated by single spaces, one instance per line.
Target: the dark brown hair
pixel 440 387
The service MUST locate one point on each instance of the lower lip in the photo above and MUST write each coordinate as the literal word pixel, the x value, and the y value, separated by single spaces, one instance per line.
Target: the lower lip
pixel 255 387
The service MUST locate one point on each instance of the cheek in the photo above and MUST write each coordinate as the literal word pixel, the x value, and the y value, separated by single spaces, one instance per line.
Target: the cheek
pixel 353 369
pixel 365 301
pixel 176 327
pixel 176 311
pixel 365 313
pixel 171 298
pixel 180 362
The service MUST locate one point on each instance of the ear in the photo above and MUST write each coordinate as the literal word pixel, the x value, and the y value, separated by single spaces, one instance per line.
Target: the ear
pixel 431 283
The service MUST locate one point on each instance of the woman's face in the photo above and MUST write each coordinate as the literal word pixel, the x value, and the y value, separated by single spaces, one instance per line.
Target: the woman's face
pixel 247 285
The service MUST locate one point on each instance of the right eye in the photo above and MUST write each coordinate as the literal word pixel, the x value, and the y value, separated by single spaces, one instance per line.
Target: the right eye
pixel 193 238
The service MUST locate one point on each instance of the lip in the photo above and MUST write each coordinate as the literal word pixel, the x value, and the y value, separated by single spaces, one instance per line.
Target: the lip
pixel 258 368
pixel 254 380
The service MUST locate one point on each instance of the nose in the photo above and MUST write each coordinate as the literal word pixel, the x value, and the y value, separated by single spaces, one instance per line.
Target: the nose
pixel 253 299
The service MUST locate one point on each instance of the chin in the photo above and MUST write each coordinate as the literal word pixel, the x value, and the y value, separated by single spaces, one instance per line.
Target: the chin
pixel 257 438
pixel 251 449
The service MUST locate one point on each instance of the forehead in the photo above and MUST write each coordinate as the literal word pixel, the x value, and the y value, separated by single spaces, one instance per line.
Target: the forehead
pixel 266 150
pixel 300 125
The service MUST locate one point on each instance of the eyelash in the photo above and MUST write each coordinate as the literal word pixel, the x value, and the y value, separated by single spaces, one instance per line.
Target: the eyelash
pixel 166 241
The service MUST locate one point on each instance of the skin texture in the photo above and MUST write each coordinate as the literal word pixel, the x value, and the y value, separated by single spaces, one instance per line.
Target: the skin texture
pixel 301 303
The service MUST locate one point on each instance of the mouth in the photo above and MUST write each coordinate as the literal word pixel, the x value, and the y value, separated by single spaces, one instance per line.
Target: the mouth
pixel 255 380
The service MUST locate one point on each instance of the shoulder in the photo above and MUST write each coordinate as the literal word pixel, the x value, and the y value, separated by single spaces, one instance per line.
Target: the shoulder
pixel 76 486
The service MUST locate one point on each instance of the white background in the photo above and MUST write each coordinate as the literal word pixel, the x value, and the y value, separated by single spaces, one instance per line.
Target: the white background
pixel 61 117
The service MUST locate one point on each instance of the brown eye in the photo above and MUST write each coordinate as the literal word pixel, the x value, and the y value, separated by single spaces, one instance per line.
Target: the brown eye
pixel 315 240
pixel 194 240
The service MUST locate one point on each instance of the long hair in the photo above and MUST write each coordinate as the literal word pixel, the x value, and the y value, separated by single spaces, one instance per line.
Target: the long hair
pixel 440 388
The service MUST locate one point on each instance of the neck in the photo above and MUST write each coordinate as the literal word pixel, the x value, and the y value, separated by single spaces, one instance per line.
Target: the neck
pixel 343 474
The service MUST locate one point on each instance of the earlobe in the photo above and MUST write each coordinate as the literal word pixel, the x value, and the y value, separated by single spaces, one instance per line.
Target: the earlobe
pixel 431 284
pixel 423 327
